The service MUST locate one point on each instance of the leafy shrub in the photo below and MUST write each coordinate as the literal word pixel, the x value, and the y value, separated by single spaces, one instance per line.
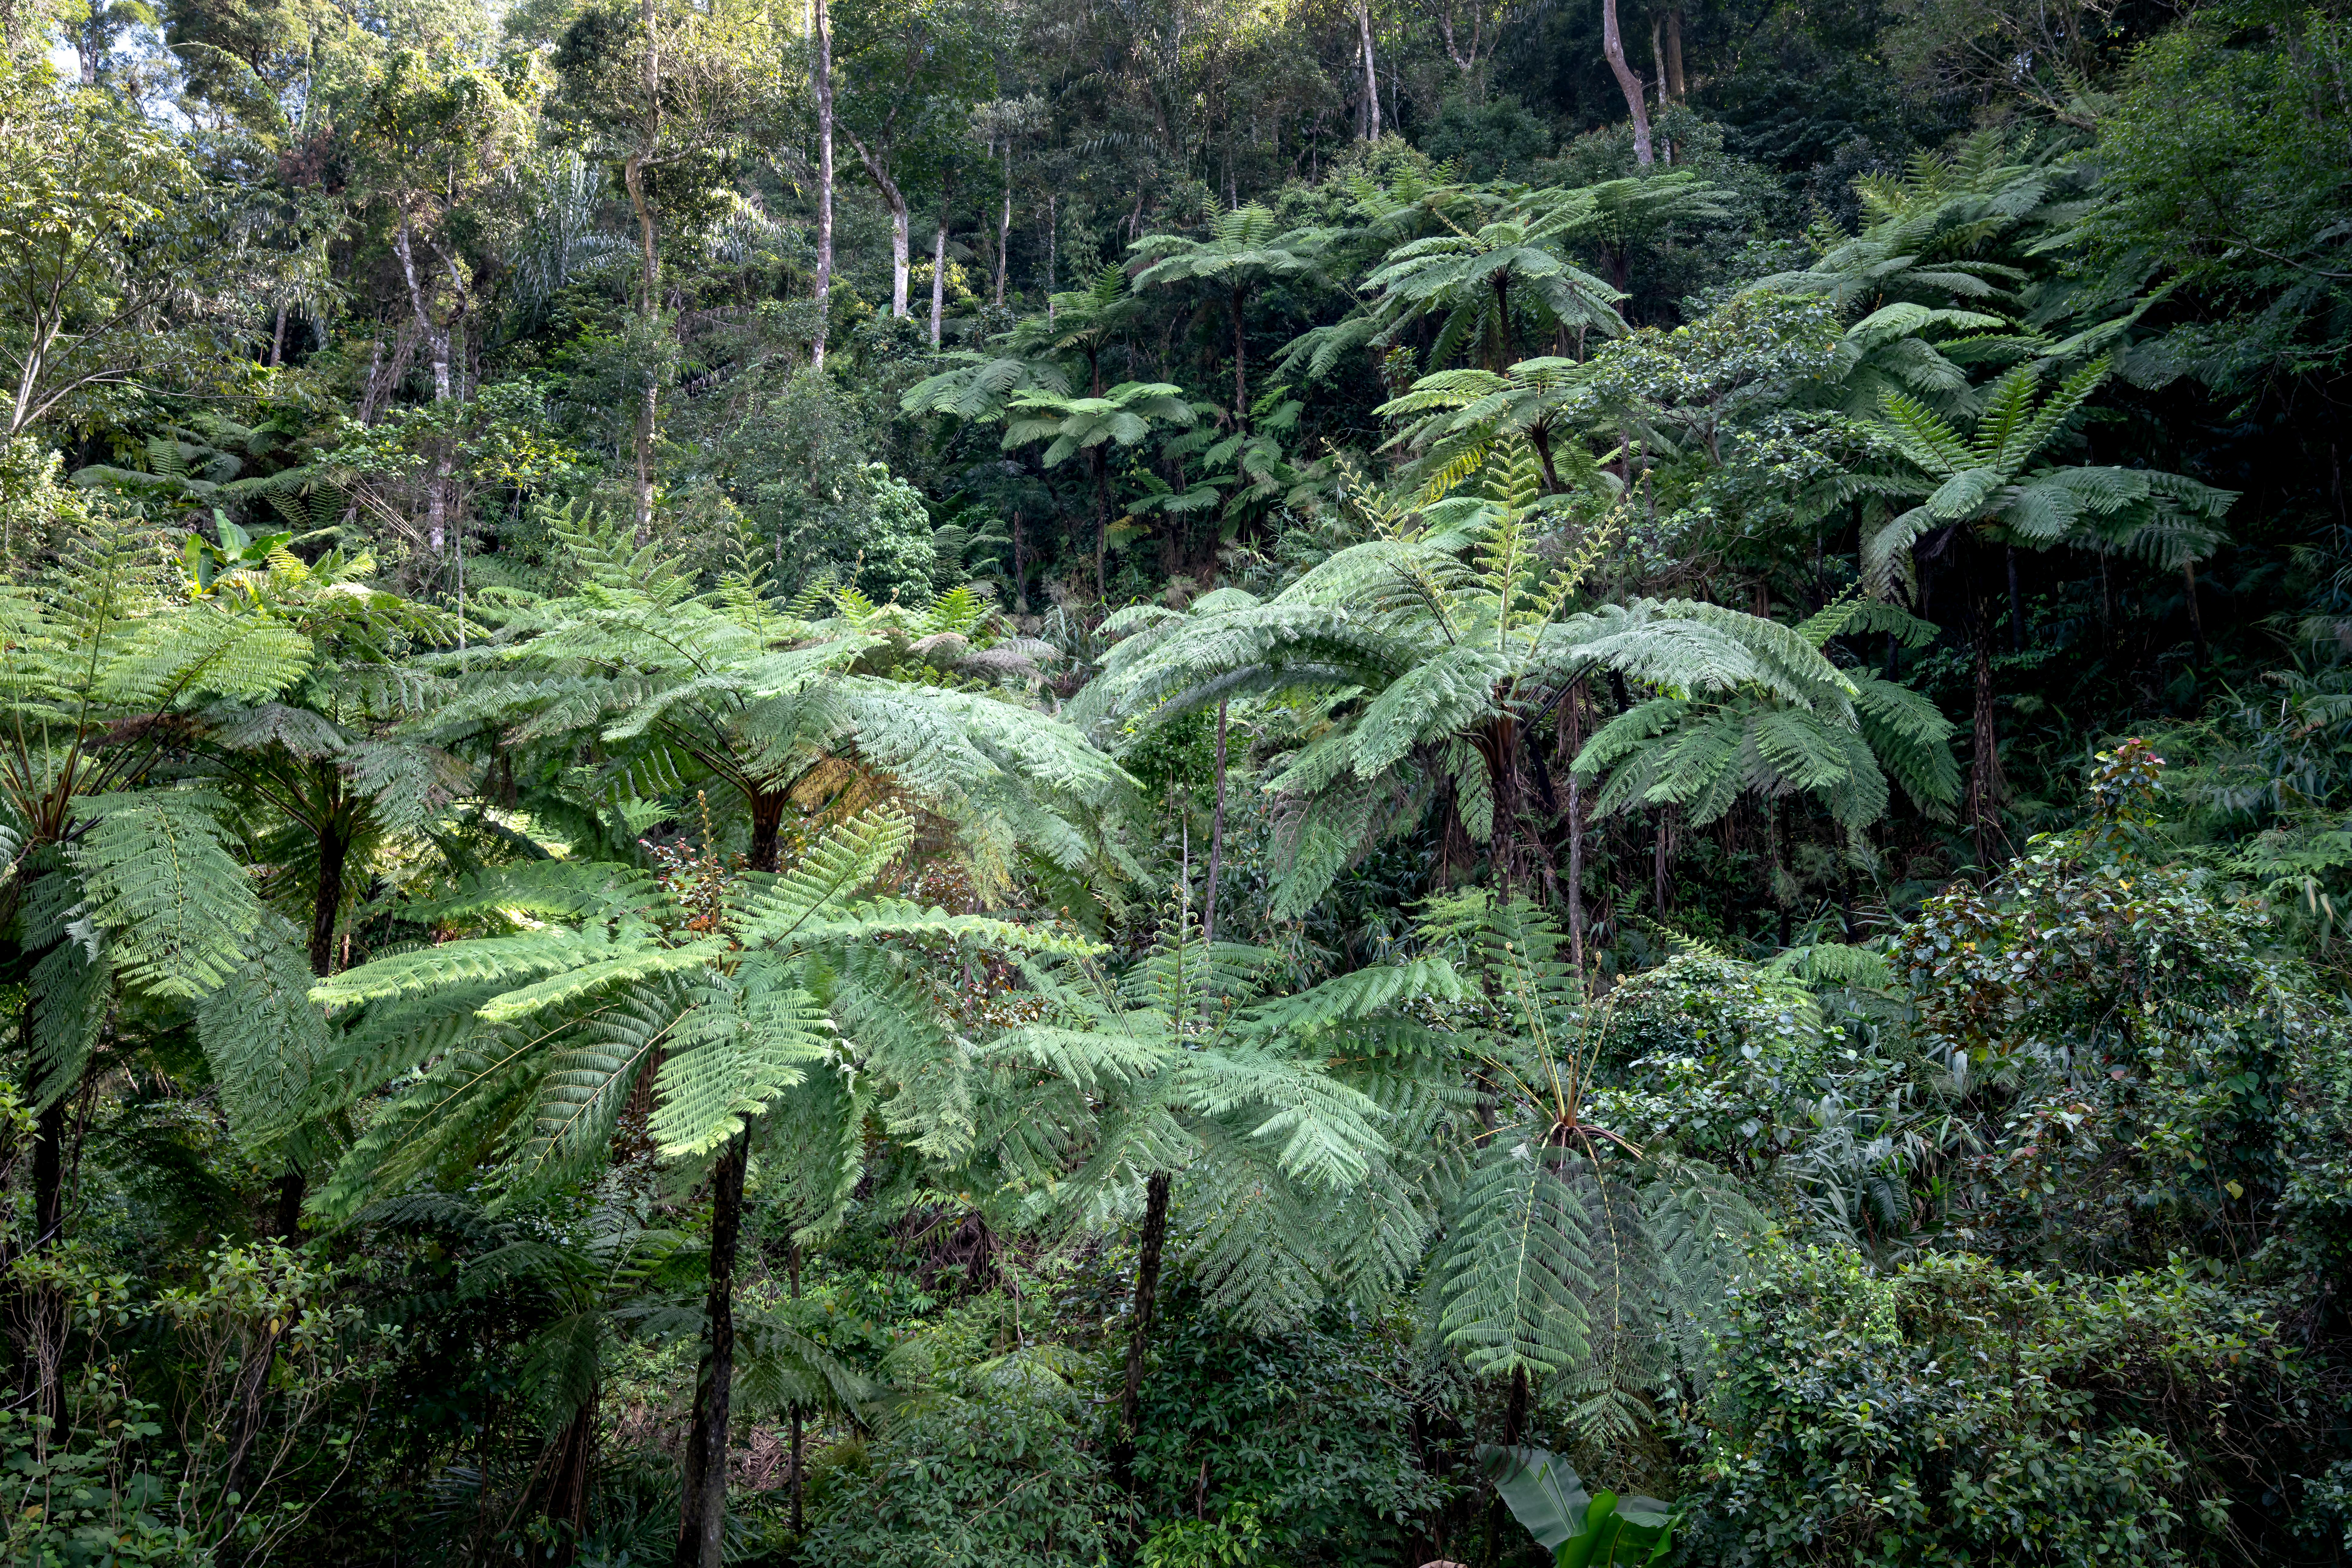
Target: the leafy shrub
pixel 993 1471
pixel 1307 1437
pixel 1954 1411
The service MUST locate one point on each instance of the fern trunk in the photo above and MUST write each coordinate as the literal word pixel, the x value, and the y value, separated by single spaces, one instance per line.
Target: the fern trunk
pixel 1146 1291
pixel 799 1521
pixel 1102 514
pixel 567 1487
pixel 45 1350
pixel 1241 377
pixel 326 902
pixel 767 828
pixel 702 1515
pixel 333 852
pixel 1216 837
pixel 1984 749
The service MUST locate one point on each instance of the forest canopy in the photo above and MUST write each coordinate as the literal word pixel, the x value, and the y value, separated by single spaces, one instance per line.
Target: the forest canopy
pixel 1177 784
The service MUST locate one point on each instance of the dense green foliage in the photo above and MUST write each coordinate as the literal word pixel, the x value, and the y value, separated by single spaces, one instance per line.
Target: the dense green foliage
pixel 1203 783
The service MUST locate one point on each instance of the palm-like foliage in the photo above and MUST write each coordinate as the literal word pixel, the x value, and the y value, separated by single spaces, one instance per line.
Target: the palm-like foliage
pixel 1243 251
pixel 980 384
pixel 1460 418
pixel 1498 272
pixel 104 660
pixel 732 1000
pixel 114 881
pixel 1701 754
pixel 1190 1066
pixel 672 687
pixel 1562 1250
pixel 207 466
pixel 1243 473
pixel 1998 478
pixel 533 1035
pixel 1038 355
pixel 1439 647
pixel 1947 233
pixel 321 757
pixel 1511 267
pixel 1997 484
pixel 1124 416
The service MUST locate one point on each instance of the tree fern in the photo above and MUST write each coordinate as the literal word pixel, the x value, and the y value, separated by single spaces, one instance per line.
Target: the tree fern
pixel 1458 639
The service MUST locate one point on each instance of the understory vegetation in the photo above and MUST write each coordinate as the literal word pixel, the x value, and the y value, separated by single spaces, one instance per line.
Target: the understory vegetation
pixel 1192 784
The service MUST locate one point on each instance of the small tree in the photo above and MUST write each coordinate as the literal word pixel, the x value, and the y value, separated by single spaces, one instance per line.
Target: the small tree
pixel 1998 486
pixel 1243 252
pixel 1124 416
pixel 732 998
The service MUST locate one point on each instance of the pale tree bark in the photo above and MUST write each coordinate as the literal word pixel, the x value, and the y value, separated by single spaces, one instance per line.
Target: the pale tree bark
pixel 1371 72
pixel 1570 742
pixel 1612 44
pixel 1466 61
pixel 940 266
pixel 895 200
pixel 436 335
pixel 1004 224
pixel 821 24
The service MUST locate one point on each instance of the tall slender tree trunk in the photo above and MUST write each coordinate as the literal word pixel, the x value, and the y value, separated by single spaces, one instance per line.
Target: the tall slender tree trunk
pixel 335 850
pixel 940 264
pixel 1372 71
pixel 568 1484
pixel 1004 224
pixel 326 906
pixel 895 200
pixel 1241 374
pixel 1020 564
pixel 632 175
pixel 277 339
pixel 1216 836
pixel 702 1515
pixel 1515 1426
pixel 1572 741
pixel 1147 1294
pixel 2196 616
pixel 47 1345
pixel 821 68
pixel 1985 791
pixel 436 349
pixel 1102 516
pixel 1662 864
pixel 1674 87
pixel 1612 44
pixel 799 1523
